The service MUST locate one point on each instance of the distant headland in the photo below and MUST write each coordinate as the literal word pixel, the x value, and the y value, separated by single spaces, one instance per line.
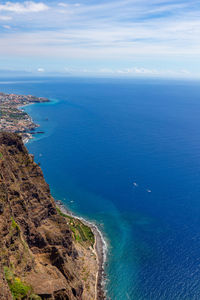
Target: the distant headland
pixel 15 120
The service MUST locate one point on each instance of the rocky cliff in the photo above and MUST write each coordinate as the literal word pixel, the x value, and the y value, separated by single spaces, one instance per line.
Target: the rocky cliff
pixel 41 256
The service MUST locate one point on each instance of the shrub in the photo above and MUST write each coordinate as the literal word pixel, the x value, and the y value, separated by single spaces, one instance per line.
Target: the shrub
pixel 18 289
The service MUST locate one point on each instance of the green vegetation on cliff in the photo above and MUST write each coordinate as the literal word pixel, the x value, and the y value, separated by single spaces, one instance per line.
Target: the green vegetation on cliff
pixel 14 225
pixel 18 289
pixel 81 232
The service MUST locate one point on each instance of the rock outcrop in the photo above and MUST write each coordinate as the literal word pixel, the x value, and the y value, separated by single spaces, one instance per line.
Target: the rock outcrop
pixel 39 257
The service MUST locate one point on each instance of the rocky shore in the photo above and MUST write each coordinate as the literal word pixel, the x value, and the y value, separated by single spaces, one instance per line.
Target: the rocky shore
pixel 100 249
pixel 44 254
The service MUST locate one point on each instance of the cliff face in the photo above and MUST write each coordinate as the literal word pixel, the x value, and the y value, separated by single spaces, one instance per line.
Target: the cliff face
pixel 39 258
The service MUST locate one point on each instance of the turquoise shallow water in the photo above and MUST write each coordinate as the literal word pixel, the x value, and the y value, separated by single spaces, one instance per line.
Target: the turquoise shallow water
pixel 102 136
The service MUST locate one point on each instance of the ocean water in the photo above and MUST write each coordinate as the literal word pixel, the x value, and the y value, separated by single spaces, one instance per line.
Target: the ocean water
pixel 126 154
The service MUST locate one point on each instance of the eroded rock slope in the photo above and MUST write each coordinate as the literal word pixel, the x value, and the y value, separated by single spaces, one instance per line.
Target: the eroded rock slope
pixel 39 258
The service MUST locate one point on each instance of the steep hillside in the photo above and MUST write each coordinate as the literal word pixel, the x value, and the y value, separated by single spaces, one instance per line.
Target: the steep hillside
pixel 40 254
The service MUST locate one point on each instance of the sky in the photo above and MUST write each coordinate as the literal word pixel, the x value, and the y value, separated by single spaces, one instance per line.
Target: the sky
pixel 134 38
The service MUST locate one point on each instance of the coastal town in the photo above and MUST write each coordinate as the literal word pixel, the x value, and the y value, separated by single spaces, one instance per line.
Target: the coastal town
pixel 13 118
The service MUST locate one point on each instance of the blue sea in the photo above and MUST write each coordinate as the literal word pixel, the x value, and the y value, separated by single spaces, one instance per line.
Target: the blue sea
pixel 126 154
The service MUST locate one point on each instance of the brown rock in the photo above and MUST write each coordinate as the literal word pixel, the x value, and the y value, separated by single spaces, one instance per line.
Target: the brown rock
pixel 35 241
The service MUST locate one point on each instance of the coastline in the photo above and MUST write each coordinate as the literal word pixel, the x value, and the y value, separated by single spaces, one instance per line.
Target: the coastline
pixel 100 246
pixel 100 250
pixel 13 117
pixel 29 136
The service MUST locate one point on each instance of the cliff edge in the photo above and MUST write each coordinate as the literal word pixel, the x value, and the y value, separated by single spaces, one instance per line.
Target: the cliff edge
pixel 41 254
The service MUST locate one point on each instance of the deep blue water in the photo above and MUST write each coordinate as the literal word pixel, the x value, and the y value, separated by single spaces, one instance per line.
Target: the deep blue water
pixel 103 135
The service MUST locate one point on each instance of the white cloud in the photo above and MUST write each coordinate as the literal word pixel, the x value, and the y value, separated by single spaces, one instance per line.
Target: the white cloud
pixel 136 70
pixel 41 70
pixel 63 4
pixel 5 18
pixel 186 72
pixel 7 26
pixel 145 72
pixel 26 7
pixel 106 71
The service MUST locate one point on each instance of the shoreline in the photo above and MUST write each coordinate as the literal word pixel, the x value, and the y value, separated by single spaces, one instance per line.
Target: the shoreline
pixel 100 246
pixel 13 116
pixel 100 249
pixel 29 136
pixel 21 108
